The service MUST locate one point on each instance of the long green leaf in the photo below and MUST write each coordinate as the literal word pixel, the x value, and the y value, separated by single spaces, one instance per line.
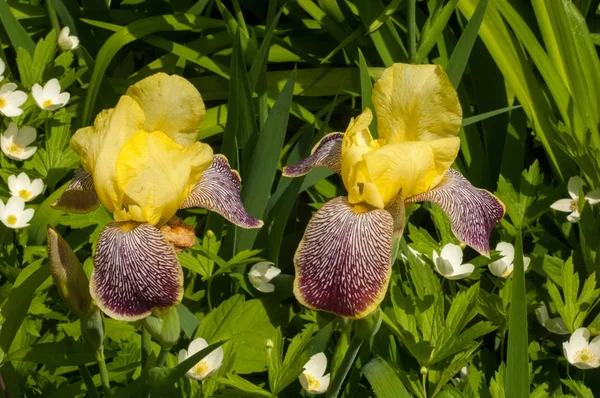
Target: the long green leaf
pixel 460 56
pixel 16 33
pixel 517 380
pixel 130 33
pixel 57 354
pixel 384 381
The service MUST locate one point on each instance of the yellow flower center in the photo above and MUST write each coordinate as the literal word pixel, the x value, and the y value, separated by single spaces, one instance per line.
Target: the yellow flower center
pixel 47 103
pixel 200 368
pixel 507 273
pixel 2 102
pixel 313 383
pixel 575 205
pixel 25 194
pixel 585 356
pixel 11 219
pixel 15 149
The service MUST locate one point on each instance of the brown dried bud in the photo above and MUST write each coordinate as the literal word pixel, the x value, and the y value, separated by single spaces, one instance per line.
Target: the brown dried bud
pixel 180 235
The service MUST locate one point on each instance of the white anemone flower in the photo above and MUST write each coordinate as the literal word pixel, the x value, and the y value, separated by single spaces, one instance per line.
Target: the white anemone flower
pixel 24 188
pixel 580 352
pixel 14 214
pixel 261 274
pixel 208 365
pixel 14 142
pixel 11 99
pixel 555 325
pixel 2 69
pixel 449 263
pixel 503 268
pixel 49 97
pixel 66 42
pixel 313 379
pixel 572 205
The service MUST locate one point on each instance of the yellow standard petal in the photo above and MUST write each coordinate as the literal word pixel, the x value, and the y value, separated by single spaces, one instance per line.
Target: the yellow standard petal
pixel 416 103
pixel 99 146
pixel 171 104
pixel 356 143
pixel 156 174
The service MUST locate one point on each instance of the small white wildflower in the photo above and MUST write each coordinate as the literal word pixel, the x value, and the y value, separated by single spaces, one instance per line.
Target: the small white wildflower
pixel 23 187
pixel 66 42
pixel 572 205
pixel 313 378
pixel 208 365
pixel 261 274
pixel 503 268
pixel 11 100
pixel 449 263
pixel 14 214
pixel 14 142
pixel 49 97
pixel 580 352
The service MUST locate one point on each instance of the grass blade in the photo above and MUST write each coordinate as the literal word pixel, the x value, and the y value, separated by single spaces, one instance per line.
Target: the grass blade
pixel 478 118
pixel 15 31
pixel 517 380
pixel 462 51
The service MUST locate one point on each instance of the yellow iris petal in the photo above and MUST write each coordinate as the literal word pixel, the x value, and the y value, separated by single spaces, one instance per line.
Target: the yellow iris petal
pixel 171 104
pixel 99 146
pixel 156 174
pixel 416 103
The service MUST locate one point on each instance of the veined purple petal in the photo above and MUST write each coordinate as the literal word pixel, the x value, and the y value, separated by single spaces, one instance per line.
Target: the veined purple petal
pixel 219 191
pixel 327 153
pixel 135 270
pixel 80 196
pixel 343 262
pixel 473 212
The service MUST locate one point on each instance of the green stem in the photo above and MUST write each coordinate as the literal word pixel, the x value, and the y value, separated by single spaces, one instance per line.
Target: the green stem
pixel 412 28
pixel 89 382
pixel 341 374
pixel 162 357
pixel 103 372
pixel 146 345
pixel 424 381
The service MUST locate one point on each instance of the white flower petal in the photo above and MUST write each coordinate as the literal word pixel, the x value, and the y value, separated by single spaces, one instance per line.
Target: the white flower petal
pixel 303 381
pixel 182 356
pixel 556 326
pixel 197 345
pixel 462 271
pixel 214 359
pixel 316 365
pixel 323 385
pixel 37 93
pixel 574 186
pixel 51 89
pixel 13 185
pixel 26 216
pixel 272 272
pixel 526 261
pixel 7 88
pixel 265 287
pixel 443 267
pixel 2 66
pixel 593 198
pixel 16 99
pixel 562 205
pixel 260 269
pixel 11 111
pixel 15 205
pixel 498 268
pixel 574 217
pixel 25 136
pixel 579 339
pixel 63 98
pixel 36 187
pixel 453 253
pixel 507 250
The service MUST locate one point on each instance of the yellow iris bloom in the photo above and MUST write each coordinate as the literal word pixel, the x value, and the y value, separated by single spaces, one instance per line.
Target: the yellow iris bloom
pixel 419 117
pixel 143 154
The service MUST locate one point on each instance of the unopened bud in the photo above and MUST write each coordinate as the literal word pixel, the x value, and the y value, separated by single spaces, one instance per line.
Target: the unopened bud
pixel 210 234
pixel 164 326
pixel 68 274
pixel 269 344
pixel 424 371
pixel 92 328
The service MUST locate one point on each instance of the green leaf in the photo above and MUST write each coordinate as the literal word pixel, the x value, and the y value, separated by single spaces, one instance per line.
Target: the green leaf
pixel 263 164
pixel 16 307
pixel 384 381
pixel 366 89
pixel 484 116
pixel 460 56
pixel 243 386
pixel 15 31
pixel 247 325
pixel 56 354
pixel 517 383
pixel 188 320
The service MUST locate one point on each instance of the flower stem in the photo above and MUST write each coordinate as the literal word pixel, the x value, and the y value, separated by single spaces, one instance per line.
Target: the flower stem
pixel 103 372
pixel 412 29
pixel 162 357
pixel 424 381
pixel 3 387
pixel 53 17
pixel 345 367
pixel 146 345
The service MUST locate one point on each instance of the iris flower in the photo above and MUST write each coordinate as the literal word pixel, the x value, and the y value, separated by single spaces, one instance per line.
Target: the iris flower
pixel 343 262
pixel 142 162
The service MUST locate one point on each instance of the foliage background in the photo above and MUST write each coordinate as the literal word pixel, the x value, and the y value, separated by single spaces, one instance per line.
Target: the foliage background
pixel 276 76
